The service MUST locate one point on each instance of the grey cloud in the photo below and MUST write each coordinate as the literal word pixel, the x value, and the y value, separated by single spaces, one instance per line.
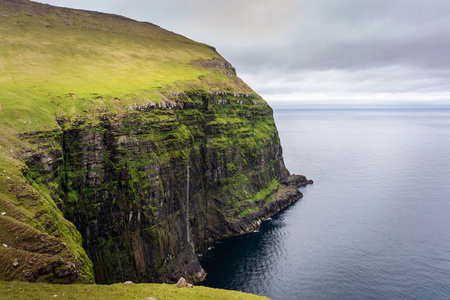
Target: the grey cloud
pixel 244 21
pixel 360 34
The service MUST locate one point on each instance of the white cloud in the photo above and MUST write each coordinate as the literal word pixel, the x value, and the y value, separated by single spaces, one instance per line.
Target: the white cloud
pixel 385 85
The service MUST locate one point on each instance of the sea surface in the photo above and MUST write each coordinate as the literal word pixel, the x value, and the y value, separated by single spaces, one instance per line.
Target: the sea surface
pixel 374 225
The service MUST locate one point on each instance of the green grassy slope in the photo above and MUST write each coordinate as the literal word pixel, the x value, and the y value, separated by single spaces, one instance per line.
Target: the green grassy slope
pixel 49 53
pixel 56 63
pixel 22 290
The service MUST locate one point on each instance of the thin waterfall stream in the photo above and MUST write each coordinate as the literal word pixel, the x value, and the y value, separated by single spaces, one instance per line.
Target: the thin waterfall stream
pixel 187 205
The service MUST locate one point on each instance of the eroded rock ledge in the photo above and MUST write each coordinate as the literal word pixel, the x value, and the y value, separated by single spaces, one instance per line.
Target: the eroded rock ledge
pixel 285 196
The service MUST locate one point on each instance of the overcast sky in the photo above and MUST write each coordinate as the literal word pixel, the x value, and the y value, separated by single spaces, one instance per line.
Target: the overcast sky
pixel 306 52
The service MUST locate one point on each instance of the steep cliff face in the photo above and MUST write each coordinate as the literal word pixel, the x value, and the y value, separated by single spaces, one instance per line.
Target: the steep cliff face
pixel 146 175
pixel 147 188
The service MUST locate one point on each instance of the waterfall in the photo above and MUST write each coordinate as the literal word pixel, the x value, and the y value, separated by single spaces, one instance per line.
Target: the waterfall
pixel 187 204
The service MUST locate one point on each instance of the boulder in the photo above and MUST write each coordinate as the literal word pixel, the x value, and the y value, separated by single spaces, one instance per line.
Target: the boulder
pixel 182 283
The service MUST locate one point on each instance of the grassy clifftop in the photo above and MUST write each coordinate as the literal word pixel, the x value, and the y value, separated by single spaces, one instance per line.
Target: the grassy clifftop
pixel 61 62
pixel 103 118
pixel 50 54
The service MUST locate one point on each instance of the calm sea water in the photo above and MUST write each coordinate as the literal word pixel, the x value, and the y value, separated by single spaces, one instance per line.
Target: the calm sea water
pixel 375 224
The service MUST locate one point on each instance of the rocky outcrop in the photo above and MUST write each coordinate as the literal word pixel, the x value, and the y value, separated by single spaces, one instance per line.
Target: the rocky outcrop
pixel 285 196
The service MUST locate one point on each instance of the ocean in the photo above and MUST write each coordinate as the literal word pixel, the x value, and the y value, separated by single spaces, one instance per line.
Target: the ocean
pixel 374 225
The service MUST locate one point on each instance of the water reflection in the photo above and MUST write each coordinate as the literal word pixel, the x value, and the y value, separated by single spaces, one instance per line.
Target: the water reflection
pixel 247 256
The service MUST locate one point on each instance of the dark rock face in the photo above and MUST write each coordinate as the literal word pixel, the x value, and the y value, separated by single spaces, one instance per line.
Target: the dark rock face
pixel 147 188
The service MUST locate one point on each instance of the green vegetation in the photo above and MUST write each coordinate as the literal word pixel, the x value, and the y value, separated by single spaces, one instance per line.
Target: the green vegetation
pixel 22 290
pixel 94 105
pixel 265 193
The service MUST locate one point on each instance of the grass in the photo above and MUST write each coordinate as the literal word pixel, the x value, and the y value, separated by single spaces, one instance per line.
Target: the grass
pixel 23 290
pixel 46 57
pixel 264 193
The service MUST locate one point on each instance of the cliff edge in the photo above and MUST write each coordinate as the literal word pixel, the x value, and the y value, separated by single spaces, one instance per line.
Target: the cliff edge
pixel 125 148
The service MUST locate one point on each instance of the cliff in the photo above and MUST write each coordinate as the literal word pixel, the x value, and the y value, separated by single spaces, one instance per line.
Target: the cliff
pixel 124 149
